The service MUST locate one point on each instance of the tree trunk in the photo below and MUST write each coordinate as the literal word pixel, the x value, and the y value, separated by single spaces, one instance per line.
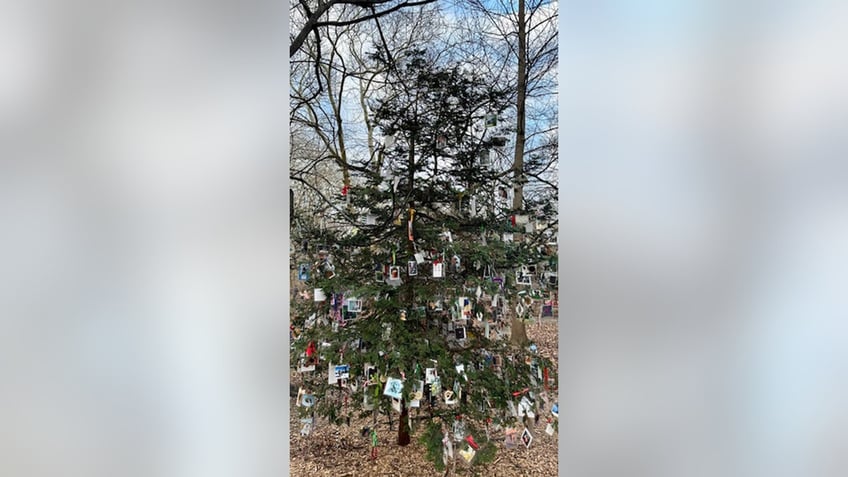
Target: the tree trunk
pixel 518 332
pixel 403 426
pixel 520 112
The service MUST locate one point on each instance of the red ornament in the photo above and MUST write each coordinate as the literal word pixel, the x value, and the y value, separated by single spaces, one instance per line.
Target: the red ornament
pixel 310 349
pixel 518 393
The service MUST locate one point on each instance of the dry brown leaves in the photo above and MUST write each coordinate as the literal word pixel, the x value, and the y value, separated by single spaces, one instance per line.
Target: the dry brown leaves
pixel 331 451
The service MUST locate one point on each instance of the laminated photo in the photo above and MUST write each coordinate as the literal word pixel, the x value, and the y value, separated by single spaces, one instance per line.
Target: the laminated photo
pixel 438 270
pixel 354 305
pixel 394 388
pixel 342 371
pixel 430 375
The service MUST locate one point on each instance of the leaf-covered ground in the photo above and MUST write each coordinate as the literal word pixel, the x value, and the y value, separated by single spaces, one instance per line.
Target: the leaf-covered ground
pixel 340 451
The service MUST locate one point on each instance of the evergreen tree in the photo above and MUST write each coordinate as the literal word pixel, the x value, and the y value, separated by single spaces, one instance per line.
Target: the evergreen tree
pixel 420 285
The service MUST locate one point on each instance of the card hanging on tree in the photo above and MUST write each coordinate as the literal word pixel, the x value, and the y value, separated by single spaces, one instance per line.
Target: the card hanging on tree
pixel 458 430
pixel 438 269
pixel 307 428
pixel 549 429
pixel 318 295
pixel 459 332
pixel 460 369
pixel 430 375
pixel 342 371
pixel 332 378
pixel 394 388
pixel 299 399
pixel 354 305
pixel 447 448
pixel 441 142
pixel 419 258
pixel 491 120
pixel 370 219
pixel 303 272
pixel 468 454
pixel 304 368
pixel 526 438
pixel 412 268
pixel 511 439
pixel 396 404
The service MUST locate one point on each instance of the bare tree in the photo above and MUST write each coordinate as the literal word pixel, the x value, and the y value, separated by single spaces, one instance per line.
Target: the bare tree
pixel 334 112
pixel 517 41
pixel 308 17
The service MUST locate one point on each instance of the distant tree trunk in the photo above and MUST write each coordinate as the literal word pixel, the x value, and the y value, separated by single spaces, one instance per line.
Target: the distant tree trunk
pixel 403 426
pixel 520 111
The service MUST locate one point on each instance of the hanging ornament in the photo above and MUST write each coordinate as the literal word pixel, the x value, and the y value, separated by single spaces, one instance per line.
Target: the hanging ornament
pixel 511 439
pixel 468 454
pixel 438 268
pixel 441 142
pixel 307 427
pixel 491 120
pixel 373 444
pixel 412 268
pixel 526 438
pixel 447 448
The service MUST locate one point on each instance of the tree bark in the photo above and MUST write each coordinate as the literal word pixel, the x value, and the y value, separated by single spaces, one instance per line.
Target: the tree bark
pixel 403 426
pixel 518 332
pixel 520 111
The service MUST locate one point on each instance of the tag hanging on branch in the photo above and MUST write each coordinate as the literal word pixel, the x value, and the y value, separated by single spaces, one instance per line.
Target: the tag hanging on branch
pixel 409 230
pixel 447 448
pixel 438 268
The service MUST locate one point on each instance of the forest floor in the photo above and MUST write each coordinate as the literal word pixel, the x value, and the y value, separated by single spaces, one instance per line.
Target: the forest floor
pixel 341 451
